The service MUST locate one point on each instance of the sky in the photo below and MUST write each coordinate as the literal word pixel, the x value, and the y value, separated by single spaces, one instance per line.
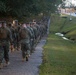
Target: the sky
pixel 68 2
pixel 74 2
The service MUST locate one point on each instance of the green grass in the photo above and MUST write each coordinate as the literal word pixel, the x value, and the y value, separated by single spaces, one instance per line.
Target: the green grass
pixel 59 57
pixel 59 24
pixel 56 23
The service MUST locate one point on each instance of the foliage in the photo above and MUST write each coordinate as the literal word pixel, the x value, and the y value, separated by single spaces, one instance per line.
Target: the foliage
pixel 20 8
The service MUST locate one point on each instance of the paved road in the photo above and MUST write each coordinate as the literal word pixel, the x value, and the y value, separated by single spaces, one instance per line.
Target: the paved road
pixel 17 67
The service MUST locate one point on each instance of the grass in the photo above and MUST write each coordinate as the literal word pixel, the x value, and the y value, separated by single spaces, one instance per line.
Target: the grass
pixel 56 23
pixel 63 25
pixel 63 15
pixel 59 55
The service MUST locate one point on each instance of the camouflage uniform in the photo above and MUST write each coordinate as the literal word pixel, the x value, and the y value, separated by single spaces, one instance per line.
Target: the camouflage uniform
pixel 24 40
pixel 38 31
pixel 15 33
pixel 4 40
pixel 32 38
pixel 35 33
pixel 1 54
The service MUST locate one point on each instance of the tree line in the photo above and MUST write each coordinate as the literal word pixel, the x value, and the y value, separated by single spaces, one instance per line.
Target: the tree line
pixel 27 8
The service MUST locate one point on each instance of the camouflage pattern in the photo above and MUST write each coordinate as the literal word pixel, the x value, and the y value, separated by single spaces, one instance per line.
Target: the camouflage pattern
pixel 1 54
pixel 35 33
pixel 5 41
pixel 32 38
pixel 25 42
pixel 15 33
pixel 29 40
pixel 25 47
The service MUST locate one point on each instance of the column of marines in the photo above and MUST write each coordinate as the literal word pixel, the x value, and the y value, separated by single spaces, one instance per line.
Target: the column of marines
pixel 20 37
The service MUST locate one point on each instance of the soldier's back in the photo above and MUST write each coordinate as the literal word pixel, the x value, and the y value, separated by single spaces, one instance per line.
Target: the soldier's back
pixel 4 32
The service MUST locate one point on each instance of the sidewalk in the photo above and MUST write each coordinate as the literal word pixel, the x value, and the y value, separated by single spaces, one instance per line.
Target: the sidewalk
pixel 17 67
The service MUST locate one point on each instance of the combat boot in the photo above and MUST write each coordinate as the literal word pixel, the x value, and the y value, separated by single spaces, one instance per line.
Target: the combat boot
pixel 6 63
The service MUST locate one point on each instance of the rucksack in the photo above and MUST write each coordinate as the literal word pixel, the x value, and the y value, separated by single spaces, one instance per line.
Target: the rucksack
pixel 3 33
pixel 23 33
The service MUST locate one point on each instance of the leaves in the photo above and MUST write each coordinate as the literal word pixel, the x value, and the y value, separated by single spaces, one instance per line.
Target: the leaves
pixel 19 8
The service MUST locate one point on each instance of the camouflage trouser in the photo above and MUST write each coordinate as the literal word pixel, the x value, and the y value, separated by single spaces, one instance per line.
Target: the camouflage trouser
pixel 4 49
pixel 32 45
pixel 6 52
pixel 1 54
pixel 25 47
pixel 15 43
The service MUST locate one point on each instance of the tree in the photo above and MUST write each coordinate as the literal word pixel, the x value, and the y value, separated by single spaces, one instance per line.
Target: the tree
pixel 21 8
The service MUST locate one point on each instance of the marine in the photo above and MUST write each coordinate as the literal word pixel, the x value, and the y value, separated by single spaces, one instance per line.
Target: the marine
pixel 15 30
pixel 5 41
pixel 24 40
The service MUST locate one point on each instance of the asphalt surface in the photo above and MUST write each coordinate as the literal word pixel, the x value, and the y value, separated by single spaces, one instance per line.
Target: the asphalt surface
pixel 17 67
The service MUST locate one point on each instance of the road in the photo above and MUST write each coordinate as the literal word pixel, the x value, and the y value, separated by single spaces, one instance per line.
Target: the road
pixel 17 67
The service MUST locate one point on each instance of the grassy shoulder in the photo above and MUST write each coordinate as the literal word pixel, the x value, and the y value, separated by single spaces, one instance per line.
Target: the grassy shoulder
pixel 63 25
pixel 56 23
pixel 59 57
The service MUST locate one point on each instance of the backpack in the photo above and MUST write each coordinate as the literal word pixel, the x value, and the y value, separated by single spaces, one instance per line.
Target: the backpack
pixel 23 33
pixel 3 33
